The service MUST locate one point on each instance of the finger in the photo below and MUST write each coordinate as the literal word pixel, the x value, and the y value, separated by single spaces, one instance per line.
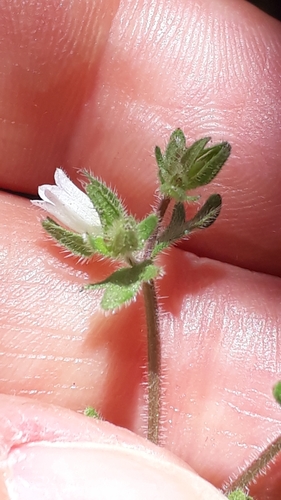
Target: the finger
pixel 201 68
pixel 85 459
pixel 103 102
pixel 220 335
pixel 50 55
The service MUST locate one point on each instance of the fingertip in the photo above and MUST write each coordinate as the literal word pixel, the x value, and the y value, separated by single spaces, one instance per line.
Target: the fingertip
pixel 93 471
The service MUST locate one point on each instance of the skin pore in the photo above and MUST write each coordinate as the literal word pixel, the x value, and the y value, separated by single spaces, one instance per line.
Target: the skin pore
pixel 85 85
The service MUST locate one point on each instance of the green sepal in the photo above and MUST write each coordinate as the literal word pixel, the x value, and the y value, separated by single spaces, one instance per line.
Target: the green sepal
pixel 123 285
pixel 145 228
pixel 174 151
pixel 277 392
pixel 176 146
pixel 74 242
pixel 105 201
pixel 98 245
pixel 122 237
pixel 194 152
pixel 190 199
pixel 238 495
pixel 170 168
pixel 91 412
pixel 182 168
pixel 207 164
pixel 207 214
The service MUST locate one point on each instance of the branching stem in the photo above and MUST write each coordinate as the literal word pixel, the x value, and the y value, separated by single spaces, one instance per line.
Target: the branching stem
pixel 163 205
pixel 243 481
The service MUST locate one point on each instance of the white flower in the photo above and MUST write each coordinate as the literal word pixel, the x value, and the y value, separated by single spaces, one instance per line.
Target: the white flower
pixel 69 205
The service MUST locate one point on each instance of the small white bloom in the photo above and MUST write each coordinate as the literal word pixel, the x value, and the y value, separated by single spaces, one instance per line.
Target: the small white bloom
pixel 69 205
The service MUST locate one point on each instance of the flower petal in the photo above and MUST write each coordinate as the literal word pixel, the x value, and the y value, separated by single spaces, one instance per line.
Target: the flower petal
pixel 65 184
pixel 61 216
pixel 69 205
pixel 42 192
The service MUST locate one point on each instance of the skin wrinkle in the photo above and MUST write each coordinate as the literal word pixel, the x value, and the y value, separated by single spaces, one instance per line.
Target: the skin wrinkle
pixel 34 85
pixel 201 43
pixel 109 141
pixel 252 327
pixel 237 392
pixel 260 417
pixel 197 322
pixel 207 121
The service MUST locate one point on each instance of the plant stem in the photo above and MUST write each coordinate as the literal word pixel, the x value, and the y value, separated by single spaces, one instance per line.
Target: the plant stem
pixel 153 335
pixel 256 467
pixel 163 207
pixel 164 203
pixel 154 359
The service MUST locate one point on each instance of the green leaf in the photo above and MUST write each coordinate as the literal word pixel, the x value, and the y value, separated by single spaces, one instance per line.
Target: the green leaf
pixel 190 199
pixel 160 162
pixel 169 162
pixel 206 215
pixel 176 146
pixel 123 285
pixel 72 241
pixel 98 245
pixel 238 495
pixel 182 168
pixel 91 412
pixel 146 227
pixel 208 165
pixel 277 392
pixel 178 215
pixel 122 237
pixel 176 229
pixel 106 203
pixel 194 151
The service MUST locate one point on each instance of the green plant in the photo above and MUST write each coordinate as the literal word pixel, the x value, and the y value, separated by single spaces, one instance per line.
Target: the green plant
pixel 97 222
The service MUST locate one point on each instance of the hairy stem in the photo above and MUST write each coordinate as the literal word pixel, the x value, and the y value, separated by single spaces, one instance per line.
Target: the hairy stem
pixel 256 467
pixel 153 335
pixel 154 359
pixel 164 203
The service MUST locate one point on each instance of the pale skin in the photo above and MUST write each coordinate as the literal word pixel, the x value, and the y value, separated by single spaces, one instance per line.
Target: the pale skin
pixel 97 85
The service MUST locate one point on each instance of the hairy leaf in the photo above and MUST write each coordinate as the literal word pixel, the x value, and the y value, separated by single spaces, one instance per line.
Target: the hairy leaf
pixel 146 227
pixel 176 146
pixel 182 168
pixel 194 152
pixel 160 162
pixel 206 215
pixel 208 165
pixel 277 392
pixel 238 495
pixel 169 162
pixel 176 229
pixel 124 284
pixel 122 237
pixel 105 202
pixel 91 412
pixel 74 242
pixel 98 245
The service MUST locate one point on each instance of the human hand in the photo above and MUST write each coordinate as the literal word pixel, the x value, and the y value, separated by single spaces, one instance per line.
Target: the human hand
pixel 89 87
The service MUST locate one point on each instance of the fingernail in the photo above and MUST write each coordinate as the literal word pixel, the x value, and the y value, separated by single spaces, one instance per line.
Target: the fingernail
pixel 87 471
